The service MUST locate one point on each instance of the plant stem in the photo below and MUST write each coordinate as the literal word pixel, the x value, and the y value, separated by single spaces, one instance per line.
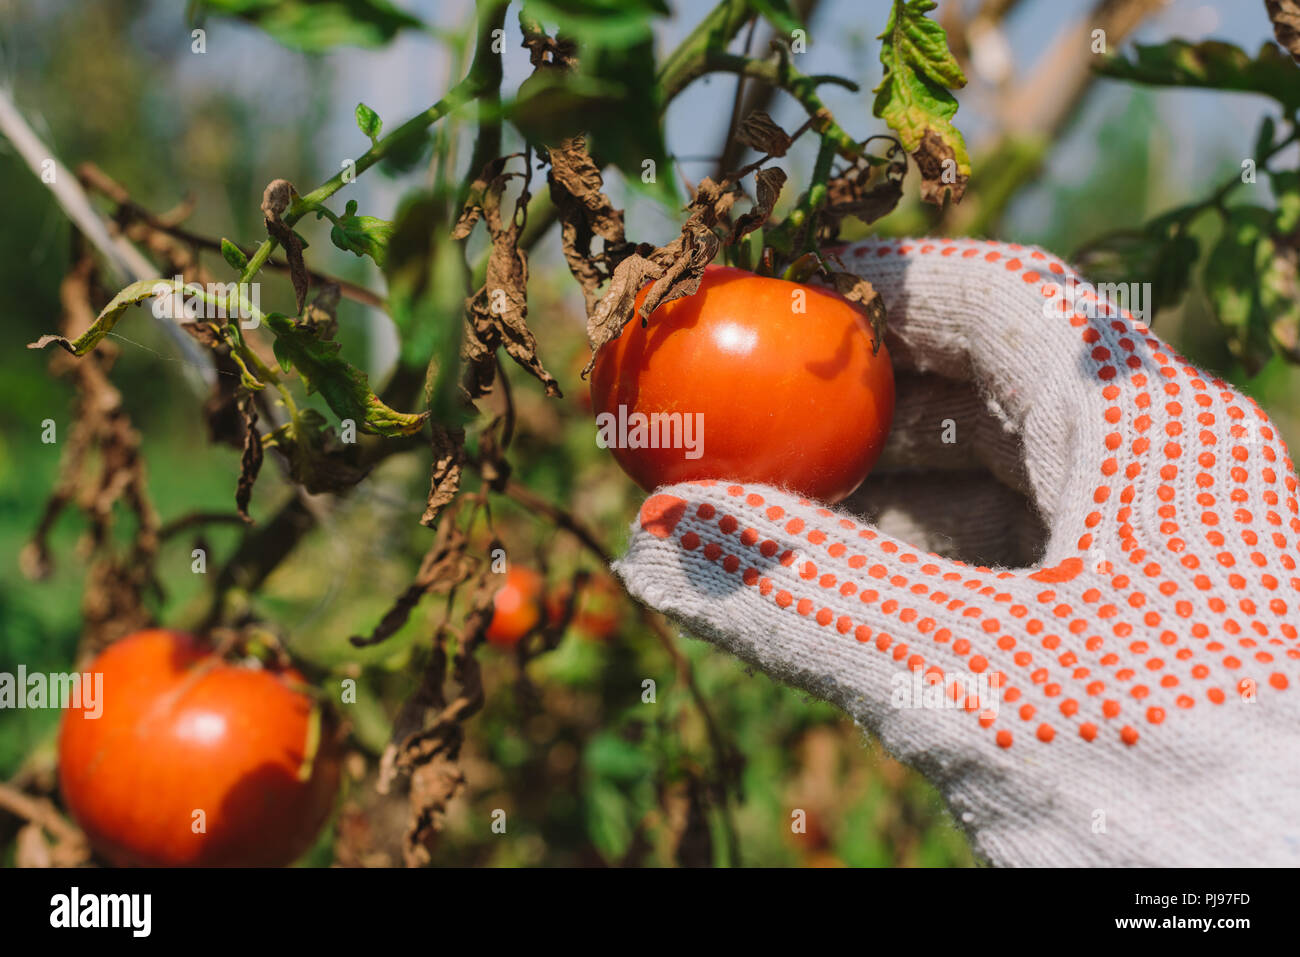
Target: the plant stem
pixel 723 753
pixel 778 71
pixel 491 17
pixel 713 34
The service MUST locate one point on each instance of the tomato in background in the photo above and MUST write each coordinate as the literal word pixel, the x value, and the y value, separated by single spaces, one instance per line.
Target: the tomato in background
pixel 596 614
pixel 182 731
pixel 787 398
pixel 517 606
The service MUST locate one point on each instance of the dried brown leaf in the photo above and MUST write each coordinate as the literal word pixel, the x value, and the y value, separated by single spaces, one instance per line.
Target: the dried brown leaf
pixel 250 463
pixel 940 172
pixel 865 192
pixel 472 210
pixel 445 565
pixel 767 183
pixel 759 132
pixel 862 294
pixel 573 169
pixel 674 269
pixel 428 751
pixel 445 473
pixel 278 195
pixel 321 314
pixel 585 213
pixel 505 291
pixel 100 468
pixel 1285 15
pixel 318 460
pixel 478 349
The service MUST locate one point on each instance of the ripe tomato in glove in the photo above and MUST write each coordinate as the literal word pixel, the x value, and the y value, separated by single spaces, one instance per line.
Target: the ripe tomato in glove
pixel 179 731
pixel 752 379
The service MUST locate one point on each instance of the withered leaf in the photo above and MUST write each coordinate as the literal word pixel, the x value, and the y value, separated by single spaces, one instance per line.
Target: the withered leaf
pixel 506 286
pixel 1285 15
pixel 221 407
pixel 585 212
pixel 865 192
pixel 321 314
pixel 862 294
pixel 940 169
pixel 578 175
pixel 100 469
pixel 445 565
pixel 472 210
pixel 675 269
pixel 767 183
pixel 759 132
pixel 436 778
pixel 429 751
pixel 250 463
pixel 318 461
pixel 478 349
pixel 445 473
pixel 275 200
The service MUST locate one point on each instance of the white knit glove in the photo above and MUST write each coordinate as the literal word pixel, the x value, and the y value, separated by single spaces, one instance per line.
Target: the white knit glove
pixel 1149 703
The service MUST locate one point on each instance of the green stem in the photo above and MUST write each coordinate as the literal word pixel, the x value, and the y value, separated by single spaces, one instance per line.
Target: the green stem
pixel 712 36
pixel 797 233
pixel 778 71
pixel 491 17
pixel 1219 195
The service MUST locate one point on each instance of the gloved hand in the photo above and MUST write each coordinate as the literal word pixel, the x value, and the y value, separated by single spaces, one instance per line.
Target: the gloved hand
pixel 1132 697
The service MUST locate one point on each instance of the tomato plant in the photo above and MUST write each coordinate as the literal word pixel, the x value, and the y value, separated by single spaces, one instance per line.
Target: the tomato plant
pixel 194 761
pixel 336 435
pixel 771 381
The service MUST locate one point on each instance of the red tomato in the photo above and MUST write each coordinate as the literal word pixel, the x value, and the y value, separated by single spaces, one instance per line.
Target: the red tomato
pixel 784 397
pixel 182 731
pixel 597 612
pixel 517 607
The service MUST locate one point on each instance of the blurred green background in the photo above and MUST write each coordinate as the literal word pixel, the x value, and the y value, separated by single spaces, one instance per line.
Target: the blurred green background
pixel 586 772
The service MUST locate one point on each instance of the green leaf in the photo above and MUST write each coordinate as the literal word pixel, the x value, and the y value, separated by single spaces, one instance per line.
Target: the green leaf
pixel 233 255
pixel 345 389
pixel 1286 190
pixel 368 121
pixel 1161 255
pixel 1235 283
pixel 608 755
pixel 363 235
pixel 608 815
pixel 315 26
pixel 618 790
pixel 778 13
pixel 133 294
pixel 1212 64
pixel 1264 138
pixel 913 98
